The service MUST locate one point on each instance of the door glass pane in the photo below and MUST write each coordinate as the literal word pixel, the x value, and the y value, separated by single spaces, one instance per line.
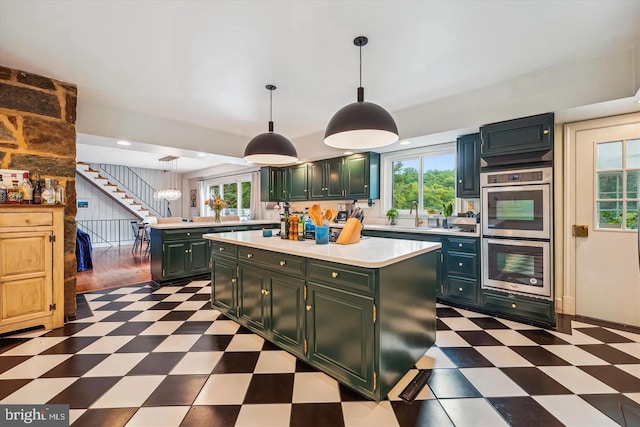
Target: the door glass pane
pixel 633 153
pixel 632 215
pixel 609 214
pixel 633 189
pixel 438 180
pixel 609 185
pixel 609 155
pixel 405 183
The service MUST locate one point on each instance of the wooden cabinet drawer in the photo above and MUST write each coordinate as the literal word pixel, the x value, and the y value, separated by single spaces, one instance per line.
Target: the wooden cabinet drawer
pixel 518 306
pixel 340 275
pixel 226 250
pixel 463 289
pixel 462 264
pixel 26 219
pixel 275 261
pixel 462 245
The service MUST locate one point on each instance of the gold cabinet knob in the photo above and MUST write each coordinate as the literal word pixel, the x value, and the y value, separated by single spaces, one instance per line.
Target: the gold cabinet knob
pixel 283 263
pixel 514 306
pixel 546 131
pixel 459 289
pixel 459 245
pixel 460 181
pixel 334 274
pixel 308 308
pixel 459 264
pixel 188 234
pixel 266 292
pixel 234 281
pixel 221 249
pixel 249 256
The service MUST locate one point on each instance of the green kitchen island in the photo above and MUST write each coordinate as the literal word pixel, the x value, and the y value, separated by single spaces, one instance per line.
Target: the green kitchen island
pixel 363 313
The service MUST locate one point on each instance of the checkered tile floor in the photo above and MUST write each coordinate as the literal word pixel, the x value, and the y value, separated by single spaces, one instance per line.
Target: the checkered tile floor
pixel 152 356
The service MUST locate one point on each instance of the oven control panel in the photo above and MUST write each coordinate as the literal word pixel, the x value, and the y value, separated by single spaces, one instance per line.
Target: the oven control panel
pixel 525 176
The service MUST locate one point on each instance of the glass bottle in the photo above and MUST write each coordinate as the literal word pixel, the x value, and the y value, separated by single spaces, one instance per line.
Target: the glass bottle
pixel 27 189
pixel 301 228
pixel 58 191
pixel 284 226
pixel 3 192
pixel 48 195
pixel 14 193
pixel 37 191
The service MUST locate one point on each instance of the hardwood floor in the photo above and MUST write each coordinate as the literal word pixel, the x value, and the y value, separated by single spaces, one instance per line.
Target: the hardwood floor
pixel 113 267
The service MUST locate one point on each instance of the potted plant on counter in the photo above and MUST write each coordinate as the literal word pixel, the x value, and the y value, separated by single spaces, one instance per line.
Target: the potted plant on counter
pixel 447 211
pixel 392 215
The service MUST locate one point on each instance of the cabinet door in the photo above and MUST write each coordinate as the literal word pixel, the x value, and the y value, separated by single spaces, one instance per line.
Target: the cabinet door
pixel 340 330
pixel 199 256
pixel 534 133
pixel 297 182
pixel 468 166
pixel 268 185
pixel 223 285
pixel 175 259
pixel 316 184
pixel 334 188
pixel 440 288
pixel 357 176
pixel 285 299
pixel 251 288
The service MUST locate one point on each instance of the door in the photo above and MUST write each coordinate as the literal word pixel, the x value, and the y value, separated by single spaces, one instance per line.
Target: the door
pixel 333 178
pixel 297 182
pixel 285 299
pixel 357 176
pixel 316 181
pixel 251 292
pixel 607 187
pixel 175 254
pixel 199 256
pixel 468 166
pixel 223 285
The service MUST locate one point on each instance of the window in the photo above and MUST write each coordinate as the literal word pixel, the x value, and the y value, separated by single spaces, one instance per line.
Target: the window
pixel 236 190
pixel 426 176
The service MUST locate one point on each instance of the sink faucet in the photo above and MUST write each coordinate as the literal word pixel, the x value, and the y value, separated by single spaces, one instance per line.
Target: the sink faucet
pixel 418 220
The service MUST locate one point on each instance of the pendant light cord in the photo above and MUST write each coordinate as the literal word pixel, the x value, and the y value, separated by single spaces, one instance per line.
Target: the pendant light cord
pixel 270 105
pixel 360 66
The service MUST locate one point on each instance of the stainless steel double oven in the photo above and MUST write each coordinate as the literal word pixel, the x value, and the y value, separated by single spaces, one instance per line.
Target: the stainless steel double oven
pixel 517 228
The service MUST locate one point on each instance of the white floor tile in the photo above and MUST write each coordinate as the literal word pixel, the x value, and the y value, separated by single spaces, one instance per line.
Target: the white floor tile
pixel 435 358
pixel 576 380
pixel 575 355
pixel 450 339
pixel 224 389
pixel 571 410
pixel 222 327
pixel 577 324
pixel 98 329
pixel 204 315
pixel 177 343
pixel 509 337
pixel 311 387
pixel 150 315
pixel 130 297
pixel 246 342
pixel 206 290
pixel 167 290
pixel 459 324
pixel 198 284
pixel 275 362
pixel 424 394
pixel 129 392
pixel 30 334
pixel 502 356
pixel 472 413
pixel 106 345
pixel 118 364
pixel 631 369
pixel 165 416
pixel 576 338
pixel 193 306
pixel 141 306
pixel 38 391
pixel 94 305
pixel 633 396
pixel 97 316
pixel 491 382
pixel 200 362
pixel 516 325
pixel 177 297
pixel 632 348
pixel 162 328
pixel 74 414
pixel 91 296
pixel 467 313
pixel 273 415
pixel 35 366
pixel 124 290
pixel 34 346
pixel 630 335
pixel 368 414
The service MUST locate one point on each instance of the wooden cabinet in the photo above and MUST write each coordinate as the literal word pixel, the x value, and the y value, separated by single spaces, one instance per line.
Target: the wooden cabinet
pixel 31 267
pixel 362 176
pixel 325 179
pixel 468 166
pixel 518 136
pixel 297 183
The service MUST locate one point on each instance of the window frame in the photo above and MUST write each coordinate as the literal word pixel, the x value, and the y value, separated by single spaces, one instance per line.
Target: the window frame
pixel 219 182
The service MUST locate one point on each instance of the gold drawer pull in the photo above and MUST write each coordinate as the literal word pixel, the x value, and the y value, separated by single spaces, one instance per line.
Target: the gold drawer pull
pixel 249 256
pixel 283 263
pixel 460 289
pixel 221 249
pixel 266 292
pixel 308 308
pixel 334 274
pixel 188 234
pixel 514 306
pixel 459 245
pixel 234 281
pixel 459 264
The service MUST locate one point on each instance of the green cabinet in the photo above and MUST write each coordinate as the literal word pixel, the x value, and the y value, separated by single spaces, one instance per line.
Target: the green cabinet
pixel 362 176
pixel 462 264
pixel 273 184
pixel 296 182
pixel 251 285
pixel 325 179
pixel 519 307
pixel 518 136
pixel 468 166
pixel 223 294
pixel 284 298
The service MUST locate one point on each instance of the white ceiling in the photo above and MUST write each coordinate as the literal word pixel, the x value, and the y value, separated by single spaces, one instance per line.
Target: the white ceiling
pixel 202 66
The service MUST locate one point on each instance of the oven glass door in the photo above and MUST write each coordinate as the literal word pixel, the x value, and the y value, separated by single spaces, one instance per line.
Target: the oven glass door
pixel 517 265
pixel 517 211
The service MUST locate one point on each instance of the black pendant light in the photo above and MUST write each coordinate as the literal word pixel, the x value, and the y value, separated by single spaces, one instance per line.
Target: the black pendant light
pixel 361 125
pixel 270 148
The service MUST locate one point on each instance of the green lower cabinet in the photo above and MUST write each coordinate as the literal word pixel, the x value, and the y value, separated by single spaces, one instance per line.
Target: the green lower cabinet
pixel 285 311
pixel 251 287
pixel 199 256
pixel 223 285
pixel 520 307
pixel 341 330
pixel 175 255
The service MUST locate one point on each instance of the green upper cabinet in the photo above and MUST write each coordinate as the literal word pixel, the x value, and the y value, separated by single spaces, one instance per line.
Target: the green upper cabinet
pixel 361 176
pixel 325 179
pixel 297 182
pixel 468 166
pixel 272 184
pixel 525 135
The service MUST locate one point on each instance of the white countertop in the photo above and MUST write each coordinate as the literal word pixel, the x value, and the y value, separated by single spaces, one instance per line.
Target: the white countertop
pixel 370 252
pixel 178 225
pixel 418 230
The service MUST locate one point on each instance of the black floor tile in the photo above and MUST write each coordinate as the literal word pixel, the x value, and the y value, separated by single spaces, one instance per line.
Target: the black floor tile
pixel 8 362
pixel 165 305
pixel 237 362
pixel 7 387
pixel 67 330
pixel 534 381
pixel 154 297
pixel 542 337
pixel 316 415
pixel 142 344
pixel 193 328
pixel 303 367
pixel 143 289
pixel 114 306
pixel 83 392
pixel 212 343
pixel 478 338
pixel 450 383
pixel 211 416
pixel 488 323
pixel 157 364
pixel 269 346
pixel 71 345
pixel 177 390
pixel 7 344
pixel 618 407
pixel 270 388
pixel 130 328
pixel 200 297
pixel 610 354
pixel 177 316
pixel 122 316
pixel 441 326
pixel 421 413
pixel 523 411
pixel 539 356
pixel 466 357
pixel 107 297
pixel 614 377
pixel 604 335
pixel 75 366
pixel 447 312
pixel 243 330
pixel 111 417
pixel 348 395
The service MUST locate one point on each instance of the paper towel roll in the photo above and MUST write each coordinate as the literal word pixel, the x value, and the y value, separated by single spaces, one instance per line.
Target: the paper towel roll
pixel 361 205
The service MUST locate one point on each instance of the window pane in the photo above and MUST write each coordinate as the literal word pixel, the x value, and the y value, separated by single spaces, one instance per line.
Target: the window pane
pixel 230 192
pixel 632 215
pixel 438 180
pixel 245 204
pixel 633 189
pixel 405 183
pixel 633 153
pixel 609 155
pixel 609 214
pixel 609 185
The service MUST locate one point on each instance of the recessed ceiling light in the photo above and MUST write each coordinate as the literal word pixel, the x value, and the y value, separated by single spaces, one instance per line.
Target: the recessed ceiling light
pixel 405 142
pixel 123 142
pixel 347 153
pixel 202 154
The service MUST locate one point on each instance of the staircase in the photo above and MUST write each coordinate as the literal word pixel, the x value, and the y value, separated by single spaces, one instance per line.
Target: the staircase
pixel 127 199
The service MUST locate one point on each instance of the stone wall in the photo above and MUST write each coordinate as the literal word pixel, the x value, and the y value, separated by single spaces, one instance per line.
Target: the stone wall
pixel 38 134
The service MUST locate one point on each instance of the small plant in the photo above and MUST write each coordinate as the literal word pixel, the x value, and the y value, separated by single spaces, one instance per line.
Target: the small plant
pixel 447 209
pixel 392 215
